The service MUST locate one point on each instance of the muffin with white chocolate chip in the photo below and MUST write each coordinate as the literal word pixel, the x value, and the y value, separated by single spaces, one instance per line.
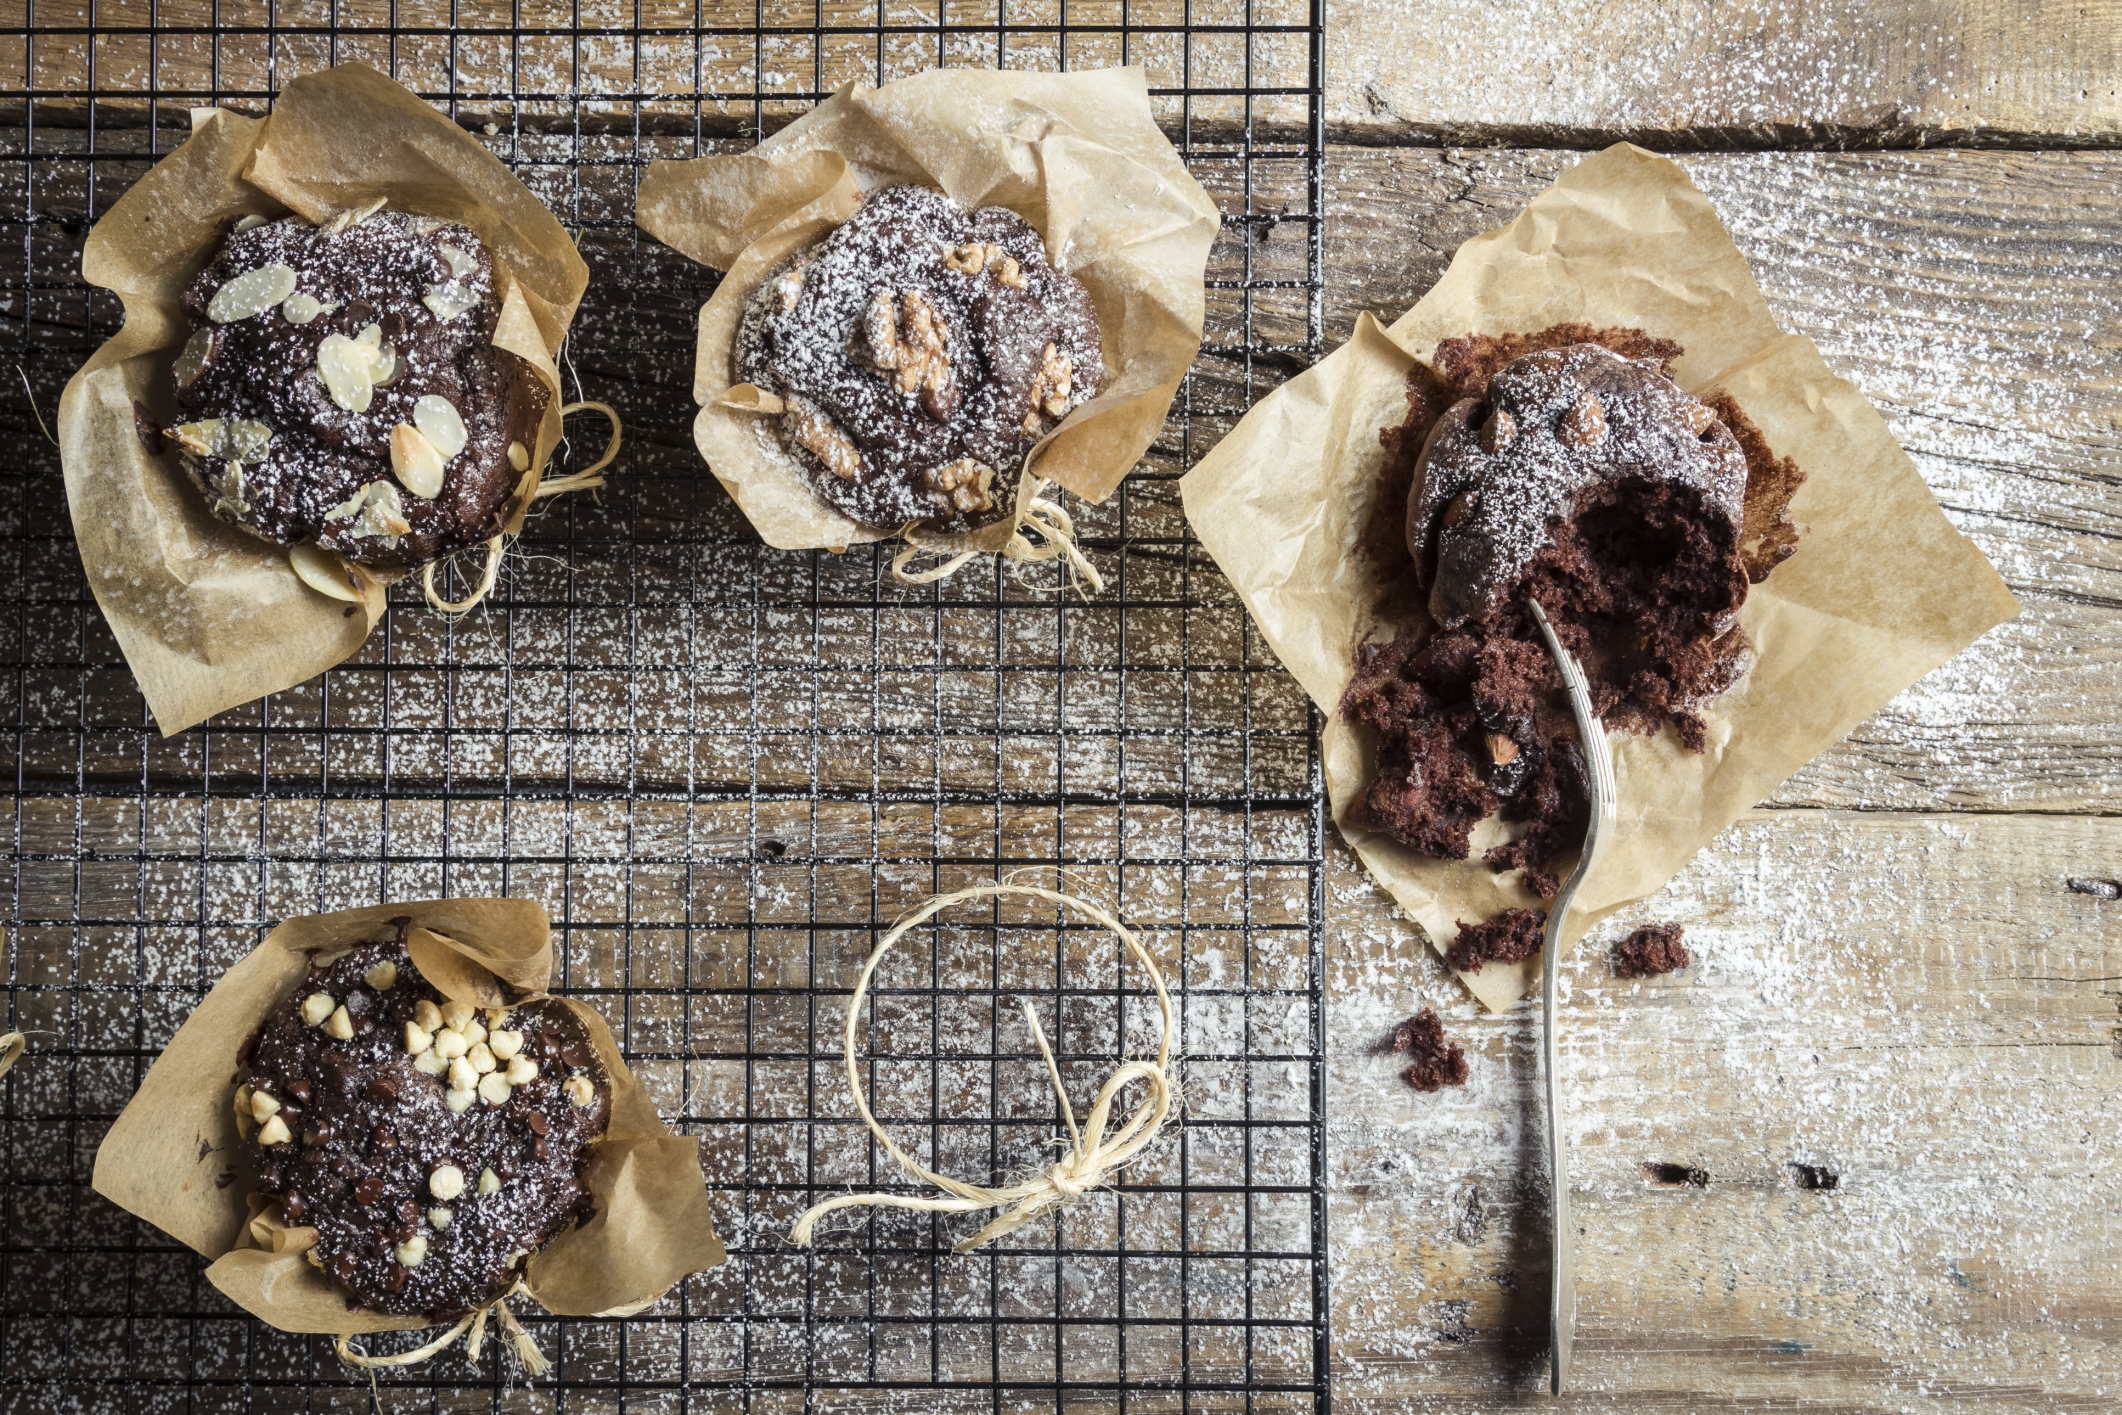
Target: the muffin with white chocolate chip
pixel 920 352
pixel 340 387
pixel 433 1146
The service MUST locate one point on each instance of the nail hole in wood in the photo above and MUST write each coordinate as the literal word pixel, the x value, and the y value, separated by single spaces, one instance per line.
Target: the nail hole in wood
pixel 772 849
pixel 2097 888
pixel 1677 1174
pixel 1815 1176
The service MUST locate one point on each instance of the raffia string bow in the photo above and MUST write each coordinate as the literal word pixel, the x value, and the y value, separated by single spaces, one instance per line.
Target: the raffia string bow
pixel 534 1362
pixel 1093 1152
pixel 588 479
pixel 1053 525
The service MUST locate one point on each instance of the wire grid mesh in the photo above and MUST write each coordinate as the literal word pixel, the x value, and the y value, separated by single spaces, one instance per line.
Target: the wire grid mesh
pixel 722 767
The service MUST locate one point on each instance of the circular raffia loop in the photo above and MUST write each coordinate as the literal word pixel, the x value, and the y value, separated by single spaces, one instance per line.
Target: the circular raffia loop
pixel 11 1048
pixel 1093 1151
pixel 1048 520
pixel 588 479
pixel 474 1322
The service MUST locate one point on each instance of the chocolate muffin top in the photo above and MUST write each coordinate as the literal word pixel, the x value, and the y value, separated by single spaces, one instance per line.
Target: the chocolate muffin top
pixel 1498 473
pixel 920 351
pixel 432 1146
pixel 341 386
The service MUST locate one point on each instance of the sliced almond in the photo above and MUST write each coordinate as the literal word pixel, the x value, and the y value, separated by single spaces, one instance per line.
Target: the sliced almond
pixel 449 300
pixel 325 573
pixel 519 456
pixel 347 372
pixel 440 424
pixel 299 308
pixel 384 367
pixel 248 223
pixel 252 292
pixel 198 352
pixel 460 262
pixel 415 460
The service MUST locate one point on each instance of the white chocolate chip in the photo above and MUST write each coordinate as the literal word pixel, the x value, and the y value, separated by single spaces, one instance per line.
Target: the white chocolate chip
pixel 461 1075
pixel 504 1043
pixel 347 372
pixel 459 1100
pixel 383 977
pixel 493 1088
pixel 263 1106
pixel 417 1038
pixel 481 1057
pixel 316 1007
pixel 496 1017
pixel 323 572
pixel 519 456
pixel 440 424
pixel 412 1250
pixel 416 461
pixel 252 292
pixel 430 1063
pixel 456 1014
pixel 439 1216
pixel 445 1182
pixel 450 1044
pixel 522 1071
pixel 489 1182
pixel 474 1030
pixel 427 1015
pixel 274 1132
pixel 339 1025
pixel 578 1090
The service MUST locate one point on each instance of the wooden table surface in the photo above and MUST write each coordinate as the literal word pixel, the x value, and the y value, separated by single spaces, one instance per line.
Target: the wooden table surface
pixel 1897 1056
pixel 1908 962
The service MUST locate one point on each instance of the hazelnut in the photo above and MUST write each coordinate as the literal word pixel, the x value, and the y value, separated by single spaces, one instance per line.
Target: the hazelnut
pixel 1584 424
pixel 579 1091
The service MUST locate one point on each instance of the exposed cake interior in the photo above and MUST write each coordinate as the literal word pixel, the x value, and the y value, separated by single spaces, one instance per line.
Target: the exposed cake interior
pixel 1642 565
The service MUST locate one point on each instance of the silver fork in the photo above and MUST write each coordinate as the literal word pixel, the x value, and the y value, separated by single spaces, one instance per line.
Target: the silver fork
pixel 1599 781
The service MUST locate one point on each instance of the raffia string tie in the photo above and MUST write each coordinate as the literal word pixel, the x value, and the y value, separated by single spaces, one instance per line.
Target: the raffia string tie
pixel 588 479
pixel 474 1322
pixel 11 1048
pixel 1094 1152
pixel 1049 520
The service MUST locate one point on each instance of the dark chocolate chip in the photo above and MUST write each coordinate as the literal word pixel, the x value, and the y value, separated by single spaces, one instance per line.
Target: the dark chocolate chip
pixel 537 1122
pixel 383 1090
pixel 292 1208
pixel 539 1149
pixel 369 1190
pixel 299 1090
pixel 384 1138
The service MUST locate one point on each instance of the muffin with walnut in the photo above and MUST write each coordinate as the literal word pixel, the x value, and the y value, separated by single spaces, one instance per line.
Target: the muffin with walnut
pixel 920 352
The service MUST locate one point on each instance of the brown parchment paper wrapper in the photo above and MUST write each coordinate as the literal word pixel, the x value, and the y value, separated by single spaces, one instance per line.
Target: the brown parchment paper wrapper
pixel 651 1227
pixel 1076 155
pixel 1881 590
pixel 210 616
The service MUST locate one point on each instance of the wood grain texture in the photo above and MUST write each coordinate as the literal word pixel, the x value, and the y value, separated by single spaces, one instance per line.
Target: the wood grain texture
pixel 1918 1005
pixel 1970 296
pixel 1755 73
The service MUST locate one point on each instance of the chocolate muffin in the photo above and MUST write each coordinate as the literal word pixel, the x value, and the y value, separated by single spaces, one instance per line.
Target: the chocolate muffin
pixel 432 1146
pixel 1584 477
pixel 920 352
pixel 340 386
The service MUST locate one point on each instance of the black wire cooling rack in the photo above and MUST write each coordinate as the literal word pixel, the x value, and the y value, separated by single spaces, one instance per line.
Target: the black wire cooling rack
pixel 722 767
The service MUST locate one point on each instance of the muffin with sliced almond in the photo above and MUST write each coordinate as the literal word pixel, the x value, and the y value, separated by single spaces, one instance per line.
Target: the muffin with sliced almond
pixel 340 388
pixel 433 1146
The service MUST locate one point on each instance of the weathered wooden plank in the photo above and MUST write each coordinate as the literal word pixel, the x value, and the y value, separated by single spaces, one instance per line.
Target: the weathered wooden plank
pixel 1970 296
pixel 1918 1005
pixel 1757 74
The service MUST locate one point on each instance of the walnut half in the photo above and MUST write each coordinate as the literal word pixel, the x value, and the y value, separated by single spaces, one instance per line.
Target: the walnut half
pixel 1051 387
pixel 909 340
pixel 975 256
pixel 811 428
pixel 964 485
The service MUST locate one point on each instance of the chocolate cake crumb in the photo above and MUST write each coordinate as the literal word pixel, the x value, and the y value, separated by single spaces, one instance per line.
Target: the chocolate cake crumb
pixel 1435 1063
pixel 1510 937
pixel 1768 537
pixel 1650 951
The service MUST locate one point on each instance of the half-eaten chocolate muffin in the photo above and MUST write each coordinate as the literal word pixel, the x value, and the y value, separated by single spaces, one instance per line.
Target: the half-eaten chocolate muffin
pixel 341 386
pixel 433 1146
pixel 919 352
pixel 1582 476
